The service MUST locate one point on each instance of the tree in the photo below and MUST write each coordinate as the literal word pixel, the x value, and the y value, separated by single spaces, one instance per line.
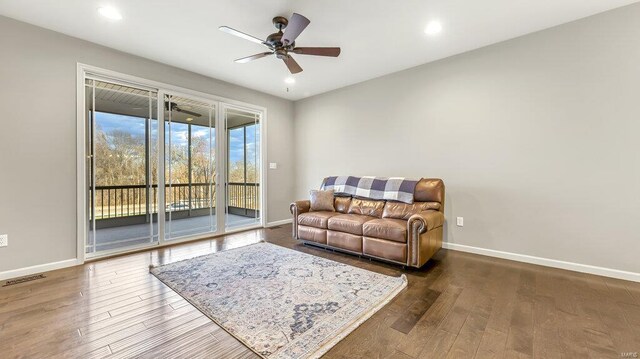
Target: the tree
pixel 119 158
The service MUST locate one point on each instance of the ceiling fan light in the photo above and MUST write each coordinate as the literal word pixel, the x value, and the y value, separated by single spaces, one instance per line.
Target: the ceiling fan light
pixel 290 80
pixel 110 13
pixel 433 28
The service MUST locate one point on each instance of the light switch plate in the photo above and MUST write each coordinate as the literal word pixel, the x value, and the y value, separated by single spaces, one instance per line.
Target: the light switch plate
pixel 4 240
pixel 273 165
pixel 460 221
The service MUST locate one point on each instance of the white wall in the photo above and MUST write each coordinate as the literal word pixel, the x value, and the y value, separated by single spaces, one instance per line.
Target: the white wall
pixel 537 139
pixel 38 136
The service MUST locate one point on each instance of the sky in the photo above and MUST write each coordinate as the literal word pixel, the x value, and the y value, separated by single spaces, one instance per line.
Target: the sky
pixel 109 123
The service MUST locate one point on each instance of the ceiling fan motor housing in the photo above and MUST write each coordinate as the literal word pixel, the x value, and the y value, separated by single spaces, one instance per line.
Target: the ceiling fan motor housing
pixel 274 40
pixel 280 22
pixel 281 53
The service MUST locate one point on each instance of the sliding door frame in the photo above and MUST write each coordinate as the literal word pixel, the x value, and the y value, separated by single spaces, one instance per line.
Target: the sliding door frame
pixel 262 170
pixel 219 102
pixel 218 154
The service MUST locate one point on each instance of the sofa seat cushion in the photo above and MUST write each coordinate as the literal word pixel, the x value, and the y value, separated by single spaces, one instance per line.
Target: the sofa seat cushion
pixel 348 223
pixel 317 219
pixel 386 228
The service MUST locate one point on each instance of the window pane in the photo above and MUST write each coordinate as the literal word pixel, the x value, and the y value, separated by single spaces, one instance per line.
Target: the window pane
pixel 120 146
pixel 236 155
pixel 252 154
pixel 178 153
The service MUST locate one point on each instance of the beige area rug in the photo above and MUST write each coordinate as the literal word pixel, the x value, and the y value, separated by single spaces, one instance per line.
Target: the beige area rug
pixel 279 302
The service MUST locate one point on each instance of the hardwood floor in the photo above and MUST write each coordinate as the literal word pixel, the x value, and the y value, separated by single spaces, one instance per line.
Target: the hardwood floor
pixel 459 305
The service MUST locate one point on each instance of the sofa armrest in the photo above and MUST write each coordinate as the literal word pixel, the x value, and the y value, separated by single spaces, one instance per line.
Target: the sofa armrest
pixel 426 221
pixel 299 207
pixel 425 236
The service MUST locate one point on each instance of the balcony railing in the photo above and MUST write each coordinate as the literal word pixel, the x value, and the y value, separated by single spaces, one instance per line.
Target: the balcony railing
pixel 132 200
pixel 243 196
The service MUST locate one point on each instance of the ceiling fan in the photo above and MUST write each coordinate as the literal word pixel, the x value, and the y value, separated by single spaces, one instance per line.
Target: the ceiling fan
pixel 282 43
pixel 174 107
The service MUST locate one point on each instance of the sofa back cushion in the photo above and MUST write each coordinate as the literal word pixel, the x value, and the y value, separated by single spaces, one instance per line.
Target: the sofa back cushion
pixel 399 210
pixel 341 204
pixel 429 190
pixel 366 207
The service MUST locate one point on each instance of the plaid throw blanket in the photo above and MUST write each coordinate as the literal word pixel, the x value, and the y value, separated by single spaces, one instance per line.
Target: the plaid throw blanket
pixel 380 188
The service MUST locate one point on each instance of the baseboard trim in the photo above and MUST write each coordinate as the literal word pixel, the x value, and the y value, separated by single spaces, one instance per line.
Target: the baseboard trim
pixel 576 267
pixel 40 268
pixel 278 223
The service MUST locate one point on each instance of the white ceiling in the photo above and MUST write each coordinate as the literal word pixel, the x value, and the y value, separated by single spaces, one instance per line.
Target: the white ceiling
pixel 377 37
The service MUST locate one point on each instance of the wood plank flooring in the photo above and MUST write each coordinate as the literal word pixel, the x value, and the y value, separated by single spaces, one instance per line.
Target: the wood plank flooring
pixel 458 306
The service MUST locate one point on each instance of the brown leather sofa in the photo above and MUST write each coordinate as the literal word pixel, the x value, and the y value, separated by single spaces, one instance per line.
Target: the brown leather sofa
pixel 407 234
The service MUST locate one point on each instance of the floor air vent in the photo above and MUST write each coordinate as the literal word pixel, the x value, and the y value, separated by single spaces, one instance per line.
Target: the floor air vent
pixel 24 279
pixel 276 227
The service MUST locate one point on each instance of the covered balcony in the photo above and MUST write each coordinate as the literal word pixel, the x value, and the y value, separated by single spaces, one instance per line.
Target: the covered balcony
pixel 126 215
pixel 124 167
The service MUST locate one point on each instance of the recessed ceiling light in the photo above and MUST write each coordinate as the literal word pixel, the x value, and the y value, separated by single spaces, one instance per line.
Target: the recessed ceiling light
pixel 290 80
pixel 433 28
pixel 110 13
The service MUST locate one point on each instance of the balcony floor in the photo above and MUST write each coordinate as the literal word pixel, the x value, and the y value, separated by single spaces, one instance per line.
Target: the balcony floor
pixel 137 234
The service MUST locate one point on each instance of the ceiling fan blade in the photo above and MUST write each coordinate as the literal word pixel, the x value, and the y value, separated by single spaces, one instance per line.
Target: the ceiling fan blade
pixel 297 24
pixel 244 60
pixel 293 66
pixel 241 34
pixel 317 51
pixel 194 114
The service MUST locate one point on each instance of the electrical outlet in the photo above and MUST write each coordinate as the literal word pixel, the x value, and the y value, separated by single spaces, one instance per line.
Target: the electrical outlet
pixel 4 240
pixel 460 221
pixel 273 165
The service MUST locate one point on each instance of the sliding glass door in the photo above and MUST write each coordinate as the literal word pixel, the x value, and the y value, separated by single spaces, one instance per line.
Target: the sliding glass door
pixel 190 167
pixel 164 166
pixel 120 123
pixel 243 168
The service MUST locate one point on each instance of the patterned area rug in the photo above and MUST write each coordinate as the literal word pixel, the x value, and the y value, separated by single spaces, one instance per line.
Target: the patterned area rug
pixel 279 302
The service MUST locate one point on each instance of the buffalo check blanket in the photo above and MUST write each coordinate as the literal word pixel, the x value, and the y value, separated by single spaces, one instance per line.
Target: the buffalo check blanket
pixel 381 188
